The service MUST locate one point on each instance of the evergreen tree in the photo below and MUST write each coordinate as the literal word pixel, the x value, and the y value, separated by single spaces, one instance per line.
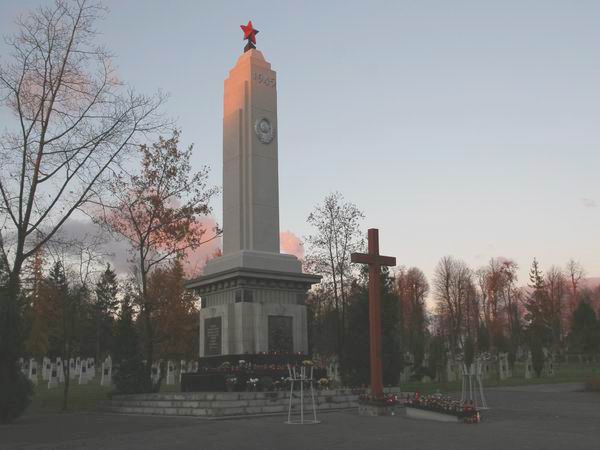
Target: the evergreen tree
pixel 355 361
pixel 105 308
pixel 538 313
pixel 130 375
pixel 585 330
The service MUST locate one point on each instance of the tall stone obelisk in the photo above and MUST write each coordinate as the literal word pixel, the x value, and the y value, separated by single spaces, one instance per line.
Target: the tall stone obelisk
pixel 253 297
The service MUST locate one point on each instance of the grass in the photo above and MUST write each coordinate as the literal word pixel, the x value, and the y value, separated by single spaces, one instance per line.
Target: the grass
pixel 564 373
pixel 86 397
pixel 81 397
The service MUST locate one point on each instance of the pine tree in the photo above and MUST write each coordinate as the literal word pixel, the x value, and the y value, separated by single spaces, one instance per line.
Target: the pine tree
pixel 585 330
pixel 130 375
pixel 539 328
pixel 105 307
pixel 538 314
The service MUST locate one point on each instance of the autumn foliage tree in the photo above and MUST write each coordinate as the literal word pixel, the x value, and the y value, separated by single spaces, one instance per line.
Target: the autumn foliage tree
pixel 176 313
pixel 157 210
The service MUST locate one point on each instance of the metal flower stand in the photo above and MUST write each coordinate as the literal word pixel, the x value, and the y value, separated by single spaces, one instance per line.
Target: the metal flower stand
pixel 472 393
pixel 299 376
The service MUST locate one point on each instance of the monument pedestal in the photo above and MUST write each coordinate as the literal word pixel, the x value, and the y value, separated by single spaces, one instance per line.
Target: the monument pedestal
pixel 251 311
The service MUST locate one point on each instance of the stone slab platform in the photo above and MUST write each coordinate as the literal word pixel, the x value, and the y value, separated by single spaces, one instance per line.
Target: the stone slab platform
pixel 228 404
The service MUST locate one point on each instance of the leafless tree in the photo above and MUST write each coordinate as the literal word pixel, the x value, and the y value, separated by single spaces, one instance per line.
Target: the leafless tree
pixel 413 289
pixel 337 234
pixel 81 259
pixel 454 290
pixel 74 122
pixel 556 287
pixel 575 273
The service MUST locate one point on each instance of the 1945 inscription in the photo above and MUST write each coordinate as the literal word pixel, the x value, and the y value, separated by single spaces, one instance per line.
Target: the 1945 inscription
pixel 263 79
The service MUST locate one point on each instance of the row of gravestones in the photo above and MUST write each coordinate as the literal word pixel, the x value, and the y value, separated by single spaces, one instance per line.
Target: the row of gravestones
pixel 173 373
pixel 484 368
pixel 53 372
pixel 84 370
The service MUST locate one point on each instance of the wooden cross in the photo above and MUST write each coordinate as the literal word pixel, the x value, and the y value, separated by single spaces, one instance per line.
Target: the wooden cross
pixel 375 261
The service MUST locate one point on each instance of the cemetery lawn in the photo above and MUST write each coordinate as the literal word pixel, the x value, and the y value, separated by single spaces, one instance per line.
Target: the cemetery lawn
pixel 565 373
pixel 81 397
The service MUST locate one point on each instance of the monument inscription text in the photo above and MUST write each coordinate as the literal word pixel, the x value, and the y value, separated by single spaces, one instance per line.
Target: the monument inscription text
pixel 281 339
pixel 212 336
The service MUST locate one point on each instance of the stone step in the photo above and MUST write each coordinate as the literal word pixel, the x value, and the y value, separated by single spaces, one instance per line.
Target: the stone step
pixel 225 404
pixel 220 412
pixel 234 395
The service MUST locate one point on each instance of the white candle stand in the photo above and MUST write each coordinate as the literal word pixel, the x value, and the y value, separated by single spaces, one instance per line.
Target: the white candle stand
pixel 300 377
pixel 472 393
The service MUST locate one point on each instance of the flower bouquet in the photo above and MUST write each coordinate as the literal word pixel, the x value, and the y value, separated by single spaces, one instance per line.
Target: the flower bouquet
pixel 445 405
pixel 230 383
pixel 386 400
pixel 251 384
pixel 323 383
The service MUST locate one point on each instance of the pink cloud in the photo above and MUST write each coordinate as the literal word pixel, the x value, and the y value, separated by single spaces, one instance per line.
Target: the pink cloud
pixel 195 260
pixel 291 244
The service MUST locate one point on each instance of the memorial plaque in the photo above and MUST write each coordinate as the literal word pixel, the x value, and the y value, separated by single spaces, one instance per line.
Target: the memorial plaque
pixel 281 339
pixel 212 336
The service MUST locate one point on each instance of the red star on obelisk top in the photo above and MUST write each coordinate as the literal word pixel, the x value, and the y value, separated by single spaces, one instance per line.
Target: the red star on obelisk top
pixel 249 34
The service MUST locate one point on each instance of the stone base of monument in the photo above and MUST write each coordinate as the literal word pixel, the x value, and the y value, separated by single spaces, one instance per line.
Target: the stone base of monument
pixel 377 410
pixel 422 414
pixel 224 404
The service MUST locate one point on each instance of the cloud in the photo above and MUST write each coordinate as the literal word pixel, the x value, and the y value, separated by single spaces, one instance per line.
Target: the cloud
pixel 195 260
pixel 118 250
pixel 291 244
pixel 589 202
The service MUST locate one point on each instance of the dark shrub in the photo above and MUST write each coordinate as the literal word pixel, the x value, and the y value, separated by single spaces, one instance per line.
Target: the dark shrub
pixel 14 397
pixel 131 378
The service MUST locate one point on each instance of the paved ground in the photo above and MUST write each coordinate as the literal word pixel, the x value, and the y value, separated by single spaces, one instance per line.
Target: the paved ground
pixel 525 417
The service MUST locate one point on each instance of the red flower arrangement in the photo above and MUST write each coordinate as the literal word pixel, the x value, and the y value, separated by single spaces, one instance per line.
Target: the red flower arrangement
pixel 445 405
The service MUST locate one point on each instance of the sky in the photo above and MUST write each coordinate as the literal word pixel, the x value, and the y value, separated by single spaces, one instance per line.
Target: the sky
pixel 464 128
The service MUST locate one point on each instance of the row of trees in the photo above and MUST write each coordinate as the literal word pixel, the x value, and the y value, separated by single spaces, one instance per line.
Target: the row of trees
pixel 482 310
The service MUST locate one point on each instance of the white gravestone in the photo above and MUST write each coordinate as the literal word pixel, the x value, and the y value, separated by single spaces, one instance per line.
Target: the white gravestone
pixel 83 377
pixel 61 370
pixel 33 371
pixel 53 377
pixel 503 366
pixel 72 369
pixel 528 367
pixel 549 366
pixel 170 373
pixel 182 365
pixel 45 368
pixel 106 378
pixel 92 368
pixel 155 373
pixel 450 375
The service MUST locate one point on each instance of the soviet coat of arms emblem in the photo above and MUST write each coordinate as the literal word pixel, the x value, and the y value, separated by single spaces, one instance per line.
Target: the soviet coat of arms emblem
pixel 264 130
